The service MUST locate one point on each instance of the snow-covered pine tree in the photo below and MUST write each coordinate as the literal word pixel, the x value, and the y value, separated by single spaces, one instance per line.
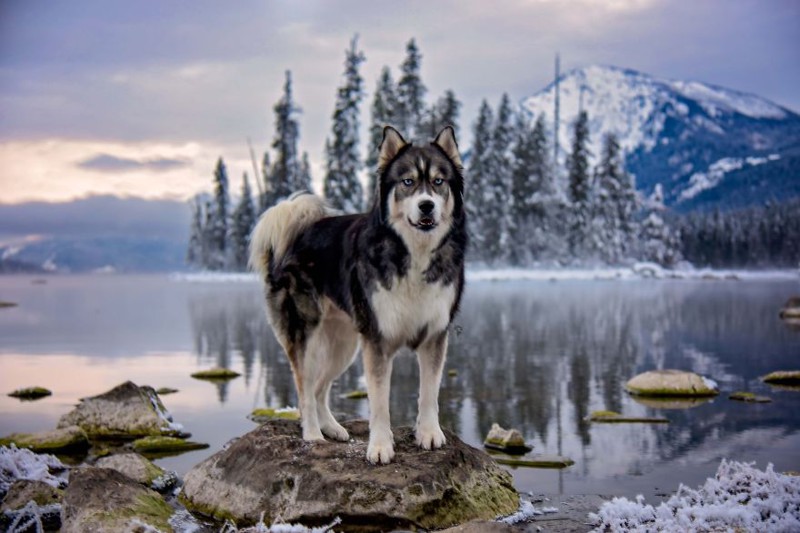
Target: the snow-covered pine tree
pixel 218 250
pixel 267 199
pixel 498 223
pixel 410 94
pixel 443 113
pixel 305 180
pixel 284 178
pixel 342 188
pixel 608 238
pixel 532 190
pixel 479 177
pixel 207 245
pixel 579 186
pixel 194 252
pixel 384 108
pixel 242 223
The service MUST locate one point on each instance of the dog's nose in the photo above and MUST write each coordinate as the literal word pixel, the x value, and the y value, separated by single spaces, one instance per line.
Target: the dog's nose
pixel 426 207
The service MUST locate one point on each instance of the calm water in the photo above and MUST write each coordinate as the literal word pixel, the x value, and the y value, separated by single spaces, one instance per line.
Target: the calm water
pixel 537 356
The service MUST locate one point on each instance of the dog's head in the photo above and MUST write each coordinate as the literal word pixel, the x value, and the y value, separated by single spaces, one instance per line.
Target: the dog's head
pixel 421 187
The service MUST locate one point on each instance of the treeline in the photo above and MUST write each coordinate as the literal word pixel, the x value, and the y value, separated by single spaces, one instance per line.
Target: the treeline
pixel 762 236
pixel 525 206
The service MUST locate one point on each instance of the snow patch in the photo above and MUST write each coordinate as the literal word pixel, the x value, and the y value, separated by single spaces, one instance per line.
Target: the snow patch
pixel 701 181
pixel 280 527
pixel 526 511
pixel 16 463
pixel 738 497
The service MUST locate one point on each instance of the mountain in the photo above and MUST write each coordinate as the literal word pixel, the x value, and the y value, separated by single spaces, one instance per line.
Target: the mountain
pixel 706 146
pixel 99 233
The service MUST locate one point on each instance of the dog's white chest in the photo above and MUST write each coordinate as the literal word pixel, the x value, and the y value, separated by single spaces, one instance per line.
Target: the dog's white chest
pixel 411 305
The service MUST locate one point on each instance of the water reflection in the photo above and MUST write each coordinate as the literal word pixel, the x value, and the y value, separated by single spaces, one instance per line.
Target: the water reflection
pixel 541 356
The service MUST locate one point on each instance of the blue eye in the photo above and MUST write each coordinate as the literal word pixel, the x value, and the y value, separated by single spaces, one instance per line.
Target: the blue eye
pixel 438 181
pixel 408 182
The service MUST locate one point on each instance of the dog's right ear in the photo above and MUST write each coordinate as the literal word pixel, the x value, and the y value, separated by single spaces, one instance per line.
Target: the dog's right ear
pixel 390 146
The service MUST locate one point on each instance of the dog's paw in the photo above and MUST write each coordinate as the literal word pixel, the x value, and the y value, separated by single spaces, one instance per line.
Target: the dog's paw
pixel 311 435
pixel 380 451
pixel 335 431
pixel 430 437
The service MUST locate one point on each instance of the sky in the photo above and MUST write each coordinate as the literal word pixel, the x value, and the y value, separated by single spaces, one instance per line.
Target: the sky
pixel 139 99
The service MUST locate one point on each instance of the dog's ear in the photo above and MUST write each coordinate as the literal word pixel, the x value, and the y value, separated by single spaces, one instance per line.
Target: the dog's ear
pixel 446 140
pixel 390 146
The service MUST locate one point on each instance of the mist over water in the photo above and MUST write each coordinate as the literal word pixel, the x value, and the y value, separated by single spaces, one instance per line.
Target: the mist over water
pixel 537 356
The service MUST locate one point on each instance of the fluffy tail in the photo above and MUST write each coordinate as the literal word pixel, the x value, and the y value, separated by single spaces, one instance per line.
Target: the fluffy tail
pixel 280 225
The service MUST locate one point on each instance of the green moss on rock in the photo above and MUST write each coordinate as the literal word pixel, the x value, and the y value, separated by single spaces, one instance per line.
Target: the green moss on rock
pixel 166 390
pixel 783 377
pixel 263 414
pixel 213 374
pixel 671 383
pixel 356 395
pixel 611 417
pixel 749 397
pixel 534 461
pixel 30 393
pixel 506 440
pixel 64 441
pixel 165 445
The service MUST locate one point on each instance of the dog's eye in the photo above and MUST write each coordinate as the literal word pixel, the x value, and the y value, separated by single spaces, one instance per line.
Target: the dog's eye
pixel 408 182
pixel 438 181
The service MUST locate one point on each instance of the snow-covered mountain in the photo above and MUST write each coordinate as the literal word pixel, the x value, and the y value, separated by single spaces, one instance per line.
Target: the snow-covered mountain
pixel 706 145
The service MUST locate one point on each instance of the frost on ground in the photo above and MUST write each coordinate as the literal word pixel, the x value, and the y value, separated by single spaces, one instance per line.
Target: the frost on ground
pixel 18 463
pixel 739 497
pixel 280 528
pixel 526 512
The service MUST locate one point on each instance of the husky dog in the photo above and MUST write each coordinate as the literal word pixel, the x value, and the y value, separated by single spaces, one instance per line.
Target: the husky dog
pixel 389 278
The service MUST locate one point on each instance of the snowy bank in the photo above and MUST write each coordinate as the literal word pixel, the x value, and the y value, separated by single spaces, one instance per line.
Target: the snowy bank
pixel 638 271
pixel 738 498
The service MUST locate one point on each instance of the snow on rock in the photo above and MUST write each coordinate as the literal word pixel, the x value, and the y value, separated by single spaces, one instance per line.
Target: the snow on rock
pixel 740 497
pixel 701 181
pixel 18 463
pixel 526 511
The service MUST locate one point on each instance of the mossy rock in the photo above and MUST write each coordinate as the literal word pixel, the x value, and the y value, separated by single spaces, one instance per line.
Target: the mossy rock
pixel 102 499
pixel 63 441
pixel 165 446
pixel 791 309
pixel 23 491
pixel 140 469
pixel 356 395
pixel 611 417
pixel 452 372
pixel 166 390
pixel 506 440
pixel 783 377
pixel 533 461
pixel 749 397
pixel 671 383
pixel 264 414
pixel 4 304
pixel 216 374
pixel 30 393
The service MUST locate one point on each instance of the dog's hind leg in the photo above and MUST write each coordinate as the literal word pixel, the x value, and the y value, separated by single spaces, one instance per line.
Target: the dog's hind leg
pixel 338 350
pixel 378 370
pixel 430 355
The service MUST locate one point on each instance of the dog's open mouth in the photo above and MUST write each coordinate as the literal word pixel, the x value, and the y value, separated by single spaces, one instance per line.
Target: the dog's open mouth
pixel 424 223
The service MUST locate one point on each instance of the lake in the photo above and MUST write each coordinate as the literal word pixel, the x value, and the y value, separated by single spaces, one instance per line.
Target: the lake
pixel 534 355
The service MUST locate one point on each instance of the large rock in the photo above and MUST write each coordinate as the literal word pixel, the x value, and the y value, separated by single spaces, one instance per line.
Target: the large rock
pixel 28 500
pixel 671 383
pixel 104 500
pixel 71 439
pixel 271 470
pixel 126 411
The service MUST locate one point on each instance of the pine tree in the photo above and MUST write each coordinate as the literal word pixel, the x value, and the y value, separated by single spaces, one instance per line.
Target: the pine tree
pixel 479 177
pixel 194 252
pixel 305 180
pixel 443 113
pixel 342 188
pixel 219 221
pixel 268 197
pixel 532 189
pixel 410 94
pixel 284 178
pixel 243 220
pixel 607 208
pixel 384 109
pixel 579 186
pixel 497 222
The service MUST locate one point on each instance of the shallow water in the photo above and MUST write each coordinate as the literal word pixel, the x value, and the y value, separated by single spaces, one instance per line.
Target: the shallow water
pixel 538 356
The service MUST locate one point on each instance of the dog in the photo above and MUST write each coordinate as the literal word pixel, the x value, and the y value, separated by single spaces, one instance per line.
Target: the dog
pixel 385 279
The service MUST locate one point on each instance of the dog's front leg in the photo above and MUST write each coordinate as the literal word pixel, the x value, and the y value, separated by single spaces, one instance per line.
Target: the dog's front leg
pixel 431 356
pixel 378 369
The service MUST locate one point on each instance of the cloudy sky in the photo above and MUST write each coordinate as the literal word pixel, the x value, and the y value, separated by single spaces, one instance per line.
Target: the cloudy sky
pixel 140 98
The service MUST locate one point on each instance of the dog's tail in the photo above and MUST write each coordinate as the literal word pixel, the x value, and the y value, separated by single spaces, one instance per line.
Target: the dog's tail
pixel 280 225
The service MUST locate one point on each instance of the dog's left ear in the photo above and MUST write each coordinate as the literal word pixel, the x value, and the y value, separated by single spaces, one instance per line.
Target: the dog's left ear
pixel 446 140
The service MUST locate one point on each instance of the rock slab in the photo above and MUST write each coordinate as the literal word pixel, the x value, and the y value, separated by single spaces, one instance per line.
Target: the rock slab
pixel 126 411
pixel 667 383
pixel 271 470
pixel 65 440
